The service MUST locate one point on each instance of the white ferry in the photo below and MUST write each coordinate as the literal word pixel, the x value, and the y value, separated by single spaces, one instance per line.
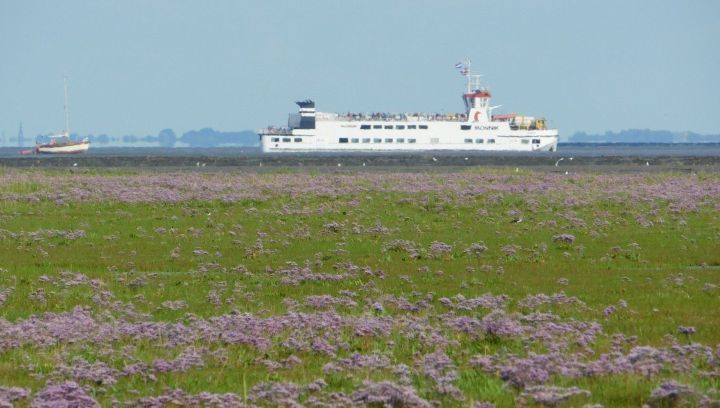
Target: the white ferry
pixel 477 129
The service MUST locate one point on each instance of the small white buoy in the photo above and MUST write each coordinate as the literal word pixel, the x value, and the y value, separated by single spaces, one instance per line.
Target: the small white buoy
pixel 571 158
pixel 339 164
pixel 363 164
pixel 466 158
pixel 647 163
pixel 74 164
pixel 434 159
pixel 203 165
pixel 517 169
pixel 197 164
pixel 566 173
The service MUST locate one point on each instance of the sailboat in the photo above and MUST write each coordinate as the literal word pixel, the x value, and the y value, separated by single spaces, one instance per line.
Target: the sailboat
pixel 61 143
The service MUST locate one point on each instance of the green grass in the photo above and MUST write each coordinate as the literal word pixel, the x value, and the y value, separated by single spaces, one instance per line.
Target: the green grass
pixel 661 272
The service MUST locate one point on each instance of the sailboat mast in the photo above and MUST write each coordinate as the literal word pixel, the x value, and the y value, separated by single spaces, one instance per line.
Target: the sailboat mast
pixel 67 114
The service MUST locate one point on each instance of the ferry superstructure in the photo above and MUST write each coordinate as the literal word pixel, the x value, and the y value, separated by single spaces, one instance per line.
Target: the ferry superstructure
pixel 477 129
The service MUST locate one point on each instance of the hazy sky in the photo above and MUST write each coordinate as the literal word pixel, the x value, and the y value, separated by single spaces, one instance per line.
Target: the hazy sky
pixel 138 66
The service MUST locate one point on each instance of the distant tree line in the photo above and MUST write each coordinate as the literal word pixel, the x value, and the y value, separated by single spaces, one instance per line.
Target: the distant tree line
pixel 205 137
pixel 643 136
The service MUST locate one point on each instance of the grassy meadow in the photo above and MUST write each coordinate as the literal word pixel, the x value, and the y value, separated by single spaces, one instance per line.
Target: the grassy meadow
pixel 470 288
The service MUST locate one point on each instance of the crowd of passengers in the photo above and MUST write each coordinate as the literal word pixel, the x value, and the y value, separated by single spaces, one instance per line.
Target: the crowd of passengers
pixel 403 116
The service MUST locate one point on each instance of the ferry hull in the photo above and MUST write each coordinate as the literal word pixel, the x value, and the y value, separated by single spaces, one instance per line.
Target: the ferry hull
pixel 338 136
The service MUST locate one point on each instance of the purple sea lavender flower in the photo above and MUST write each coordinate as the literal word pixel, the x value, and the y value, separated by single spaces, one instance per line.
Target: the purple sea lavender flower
pixel 671 393
pixel 565 239
pixel 64 395
pixel 509 250
pixel 177 397
pixel 4 293
pixel 388 394
pixel 440 368
pixel 361 361
pixel 174 304
pixel 275 394
pixel 476 249
pixel 97 372
pixel 316 385
pixel 609 310
pixel 549 396
pixel 439 249
pixel 686 330
pixel 400 245
pixel 332 227
pixel 10 395
pixel 199 252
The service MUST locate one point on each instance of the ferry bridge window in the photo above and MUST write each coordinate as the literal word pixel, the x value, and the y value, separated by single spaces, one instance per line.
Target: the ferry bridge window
pixel 366 140
pixel 355 140
pixel 343 140
pixel 377 126
pixel 388 140
pixel 412 127
pixel 525 141
pixel 274 139
pixel 411 140
pixel 298 139
pixel 465 127
pixel 491 141
pixel 388 126
pixel 401 140
pixel 423 126
pixel 286 139
pixel 468 140
pixel 536 141
pixel 479 140
pixel 377 140
pixel 400 127
pixel 364 127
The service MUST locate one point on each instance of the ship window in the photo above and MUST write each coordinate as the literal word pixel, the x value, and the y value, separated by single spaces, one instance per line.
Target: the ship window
pixel 434 140
pixel 401 140
pixel 525 141
pixel 400 127
pixel 479 140
pixel 536 141
pixel 411 140
pixel 388 140
pixel 465 127
pixel 286 139
pixel 298 139
pixel 377 126
pixel 274 139
pixel 423 126
pixel 491 141
pixel 366 140
pixel 388 126
pixel 355 140
pixel 364 127
pixel 343 140
pixel 412 127
pixel 468 140
pixel 377 140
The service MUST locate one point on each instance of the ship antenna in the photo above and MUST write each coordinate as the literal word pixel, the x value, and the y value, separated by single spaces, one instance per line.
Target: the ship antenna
pixel 67 113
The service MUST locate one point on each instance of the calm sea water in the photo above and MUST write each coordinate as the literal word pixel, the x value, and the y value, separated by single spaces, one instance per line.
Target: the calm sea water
pixel 564 150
